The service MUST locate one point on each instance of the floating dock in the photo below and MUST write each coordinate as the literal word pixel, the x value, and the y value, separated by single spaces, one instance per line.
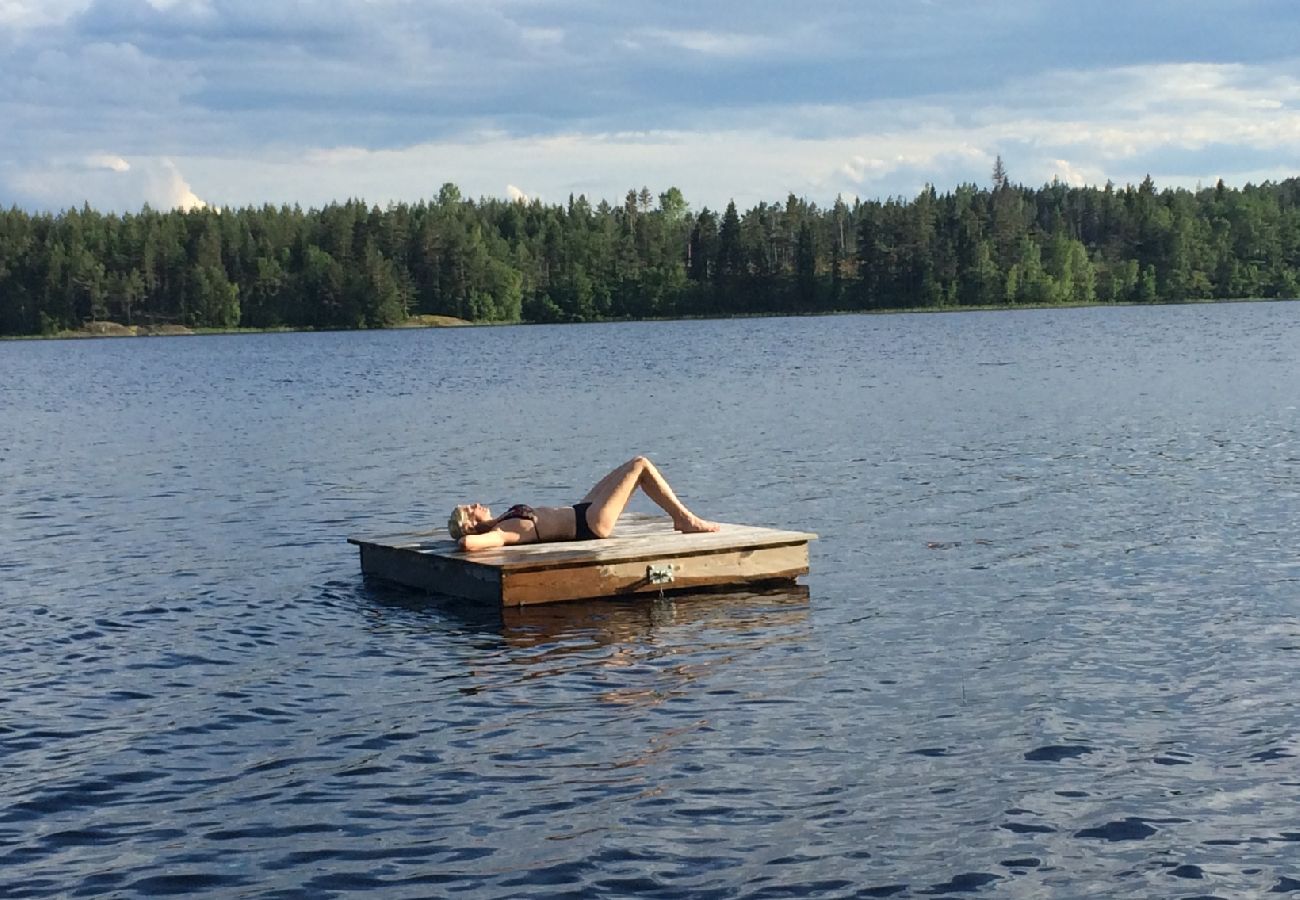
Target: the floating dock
pixel 645 556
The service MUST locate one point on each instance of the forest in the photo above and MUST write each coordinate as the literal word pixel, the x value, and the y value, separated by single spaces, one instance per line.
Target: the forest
pixel 352 265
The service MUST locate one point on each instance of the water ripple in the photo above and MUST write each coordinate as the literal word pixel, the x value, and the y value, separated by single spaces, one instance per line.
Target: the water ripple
pixel 1048 646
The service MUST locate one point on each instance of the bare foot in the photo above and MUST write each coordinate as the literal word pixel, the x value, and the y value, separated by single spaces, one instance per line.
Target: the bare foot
pixel 695 525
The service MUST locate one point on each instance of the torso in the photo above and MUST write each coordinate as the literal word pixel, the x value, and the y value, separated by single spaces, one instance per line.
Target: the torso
pixel 540 523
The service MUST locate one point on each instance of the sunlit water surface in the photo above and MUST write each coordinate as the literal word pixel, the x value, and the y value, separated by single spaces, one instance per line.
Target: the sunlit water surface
pixel 1048 646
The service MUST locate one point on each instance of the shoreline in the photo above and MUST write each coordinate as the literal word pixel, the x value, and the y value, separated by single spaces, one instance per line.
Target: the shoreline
pixel 113 330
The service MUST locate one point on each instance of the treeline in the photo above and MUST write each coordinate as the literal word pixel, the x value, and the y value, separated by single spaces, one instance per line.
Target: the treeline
pixel 350 265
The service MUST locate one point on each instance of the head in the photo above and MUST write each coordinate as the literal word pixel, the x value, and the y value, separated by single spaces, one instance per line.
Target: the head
pixel 467 518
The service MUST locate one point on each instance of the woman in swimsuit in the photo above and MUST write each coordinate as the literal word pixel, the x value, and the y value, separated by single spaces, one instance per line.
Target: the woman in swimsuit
pixel 474 527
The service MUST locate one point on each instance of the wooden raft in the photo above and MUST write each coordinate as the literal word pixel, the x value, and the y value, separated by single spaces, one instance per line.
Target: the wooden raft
pixel 644 556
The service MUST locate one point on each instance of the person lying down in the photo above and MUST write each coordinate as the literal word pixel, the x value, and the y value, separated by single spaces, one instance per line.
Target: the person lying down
pixel 474 528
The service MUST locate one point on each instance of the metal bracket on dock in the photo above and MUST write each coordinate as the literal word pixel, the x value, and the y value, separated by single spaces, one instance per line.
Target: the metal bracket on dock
pixel 659 574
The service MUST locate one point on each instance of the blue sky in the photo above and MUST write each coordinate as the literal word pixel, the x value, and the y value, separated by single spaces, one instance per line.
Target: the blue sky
pixel 234 102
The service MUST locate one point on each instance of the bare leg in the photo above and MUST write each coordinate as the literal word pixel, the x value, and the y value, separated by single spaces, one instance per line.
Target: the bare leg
pixel 611 494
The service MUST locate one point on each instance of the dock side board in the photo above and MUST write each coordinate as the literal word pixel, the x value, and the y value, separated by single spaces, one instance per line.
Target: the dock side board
pixel 645 556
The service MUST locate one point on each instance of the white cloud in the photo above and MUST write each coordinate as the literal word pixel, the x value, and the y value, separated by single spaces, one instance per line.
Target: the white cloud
pixel 34 13
pixel 109 162
pixel 708 43
pixel 1070 174
pixel 334 156
pixel 543 36
pixel 106 182
pixel 896 148
pixel 516 194
pixel 386 99
pixel 859 168
pixel 169 190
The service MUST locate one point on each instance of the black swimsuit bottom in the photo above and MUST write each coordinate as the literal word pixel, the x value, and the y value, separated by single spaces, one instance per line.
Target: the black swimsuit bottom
pixel 582 530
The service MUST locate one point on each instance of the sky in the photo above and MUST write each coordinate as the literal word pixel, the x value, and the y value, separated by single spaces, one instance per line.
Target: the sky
pixel 178 103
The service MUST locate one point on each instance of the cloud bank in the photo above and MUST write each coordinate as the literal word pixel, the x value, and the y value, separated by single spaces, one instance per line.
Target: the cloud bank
pixel 110 101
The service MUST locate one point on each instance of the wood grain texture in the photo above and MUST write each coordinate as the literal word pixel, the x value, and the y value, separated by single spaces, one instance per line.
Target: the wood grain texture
pixel 431 572
pixel 520 587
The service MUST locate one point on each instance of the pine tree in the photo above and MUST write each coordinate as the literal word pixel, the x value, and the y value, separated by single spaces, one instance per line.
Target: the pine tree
pixel 1000 180
pixel 731 258
pixel 806 267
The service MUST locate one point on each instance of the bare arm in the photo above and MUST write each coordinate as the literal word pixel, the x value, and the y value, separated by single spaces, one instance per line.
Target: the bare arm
pixel 472 543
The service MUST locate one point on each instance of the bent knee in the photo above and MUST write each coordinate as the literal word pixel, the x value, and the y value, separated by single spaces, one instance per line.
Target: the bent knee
pixel 639 462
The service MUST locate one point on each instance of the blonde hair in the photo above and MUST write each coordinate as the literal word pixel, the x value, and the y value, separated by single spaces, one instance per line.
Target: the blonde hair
pixel 460 523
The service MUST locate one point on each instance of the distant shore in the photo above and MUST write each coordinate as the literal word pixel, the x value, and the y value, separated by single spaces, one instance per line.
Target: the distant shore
pixel 117 330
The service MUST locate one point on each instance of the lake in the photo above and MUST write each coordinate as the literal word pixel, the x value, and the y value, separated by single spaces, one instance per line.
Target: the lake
pixel 1049 645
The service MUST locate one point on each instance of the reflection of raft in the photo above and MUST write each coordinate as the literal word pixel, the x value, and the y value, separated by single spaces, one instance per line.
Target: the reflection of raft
pixel 644 556
pixel 755 616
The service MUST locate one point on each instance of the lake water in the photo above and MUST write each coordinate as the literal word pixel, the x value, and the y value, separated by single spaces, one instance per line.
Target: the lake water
pixel 1049 646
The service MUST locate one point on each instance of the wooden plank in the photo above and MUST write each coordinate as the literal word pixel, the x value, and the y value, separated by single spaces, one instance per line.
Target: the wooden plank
pixel 422 540
pixel 431 572
pixel 637 537
pixel 520 587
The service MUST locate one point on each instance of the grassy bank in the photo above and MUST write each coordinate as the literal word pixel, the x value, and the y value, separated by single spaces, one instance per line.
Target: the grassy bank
pixel 113 329
pixel 117 330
